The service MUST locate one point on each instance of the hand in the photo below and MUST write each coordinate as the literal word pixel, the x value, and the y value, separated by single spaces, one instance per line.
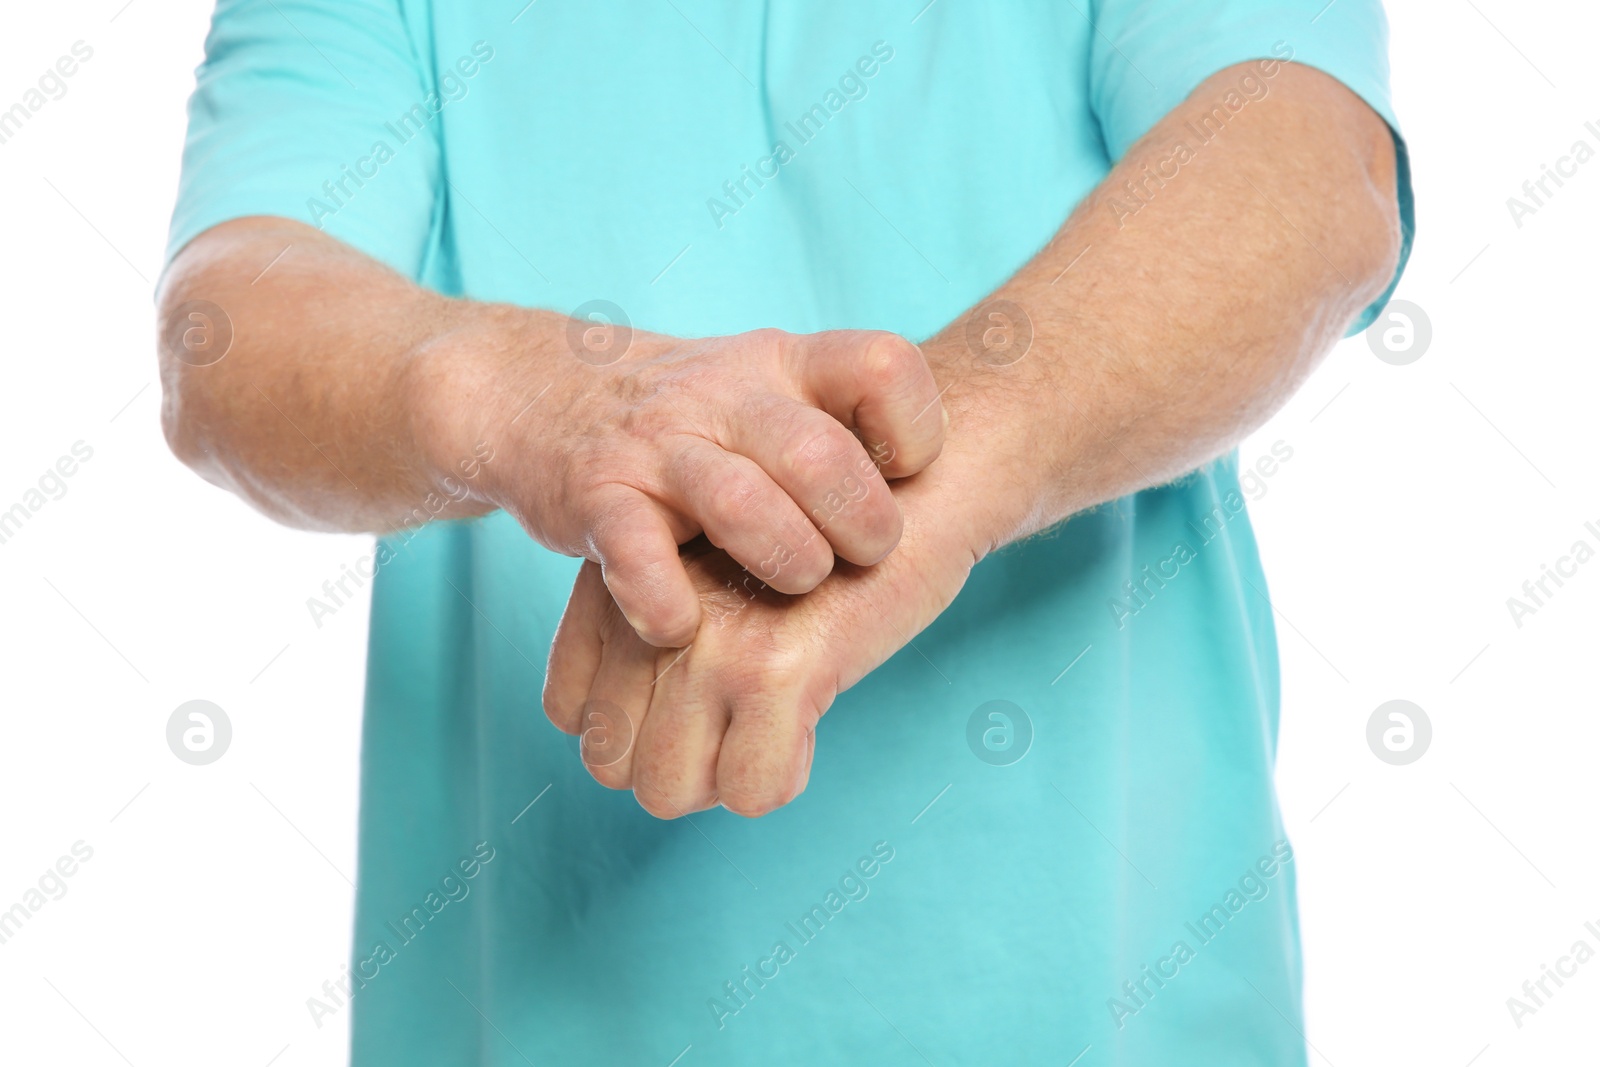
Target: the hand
pixel 745 439
pixel 731 719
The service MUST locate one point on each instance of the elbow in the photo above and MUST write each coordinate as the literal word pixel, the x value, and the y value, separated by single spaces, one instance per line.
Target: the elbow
pixel 192 336
pixel 1351 159
pixel 1379 242
pixel 183 437
pixel 1374 219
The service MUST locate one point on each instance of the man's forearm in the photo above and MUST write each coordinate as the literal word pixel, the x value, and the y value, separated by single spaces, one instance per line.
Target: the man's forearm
pixel 335 394
pixel 311 412
pixel 1170 319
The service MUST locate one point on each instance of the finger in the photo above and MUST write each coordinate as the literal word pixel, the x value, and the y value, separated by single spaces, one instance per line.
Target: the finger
pixel 746 514
pixel 764 750
pixel 575 652
pixel 618 702
pixel 878 384
pixel 675 762
pixel 823 468
pixel 633 543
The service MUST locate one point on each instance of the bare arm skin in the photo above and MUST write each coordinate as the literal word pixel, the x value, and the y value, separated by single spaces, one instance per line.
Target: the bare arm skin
pixel 1161 338
pixel 352 399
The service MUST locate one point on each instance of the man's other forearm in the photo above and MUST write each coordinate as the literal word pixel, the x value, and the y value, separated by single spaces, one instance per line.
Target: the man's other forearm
pixel 1171 318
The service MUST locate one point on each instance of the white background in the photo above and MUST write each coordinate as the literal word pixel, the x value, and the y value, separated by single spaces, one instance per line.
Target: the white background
pixel 1418 499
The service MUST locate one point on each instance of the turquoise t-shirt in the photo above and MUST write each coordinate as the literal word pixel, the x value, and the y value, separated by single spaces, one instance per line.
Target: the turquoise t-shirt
pixel 1047 834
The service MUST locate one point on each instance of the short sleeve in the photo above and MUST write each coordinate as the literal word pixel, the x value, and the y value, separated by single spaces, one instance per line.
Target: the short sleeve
pixel 315 110
pixel 1147 56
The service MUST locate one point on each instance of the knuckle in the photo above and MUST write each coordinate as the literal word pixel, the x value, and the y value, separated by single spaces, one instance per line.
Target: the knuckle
pixel 891 360
pixel 562 719
pixel 610 776
pixel 809 451
pixel 768 342
pixel 751 804
pixel 758 786
pixel 606 743
pixel 769 335
pixel 735 497
pixel 668 805
pixel 658 806
pixel 608 518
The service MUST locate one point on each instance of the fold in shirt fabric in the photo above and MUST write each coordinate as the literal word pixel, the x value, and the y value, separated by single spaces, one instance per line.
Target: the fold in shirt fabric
pixel 998 859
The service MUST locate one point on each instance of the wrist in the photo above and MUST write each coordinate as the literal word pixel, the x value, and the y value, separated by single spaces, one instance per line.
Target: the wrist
pixel 998 465
pixel 453 387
